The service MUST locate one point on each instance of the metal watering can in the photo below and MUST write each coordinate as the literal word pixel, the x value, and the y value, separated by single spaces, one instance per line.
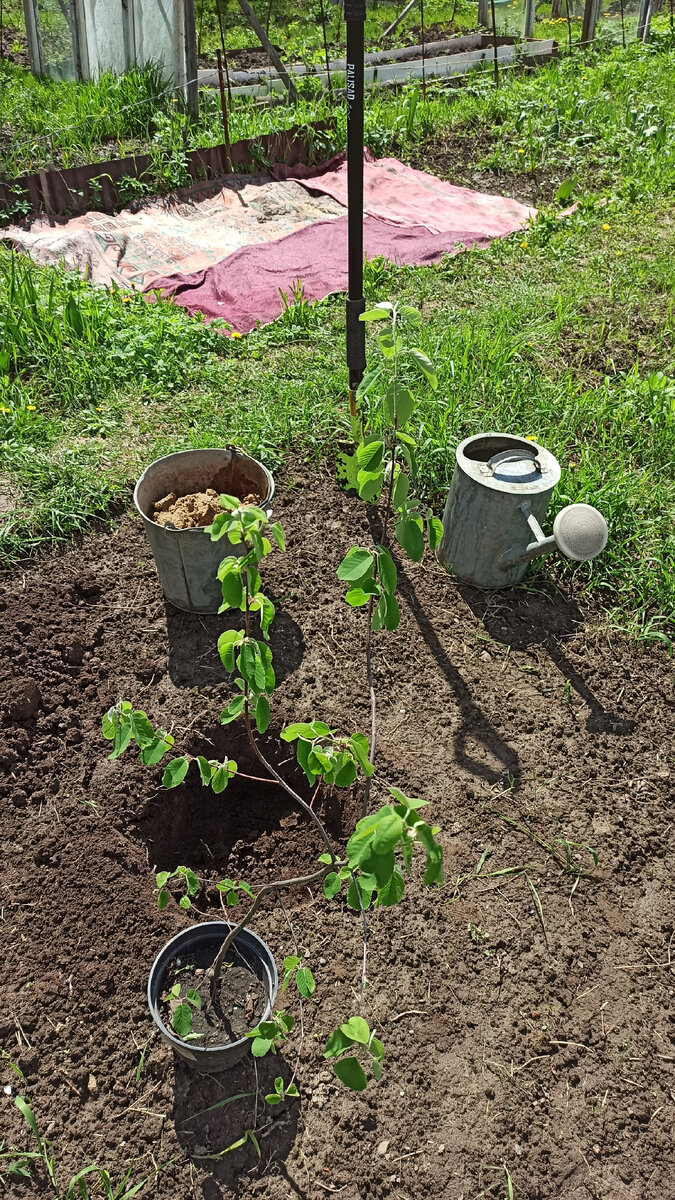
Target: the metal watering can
pixel 498 499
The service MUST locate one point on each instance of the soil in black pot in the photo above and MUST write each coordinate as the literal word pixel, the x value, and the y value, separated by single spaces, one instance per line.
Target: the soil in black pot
pixel 237 1008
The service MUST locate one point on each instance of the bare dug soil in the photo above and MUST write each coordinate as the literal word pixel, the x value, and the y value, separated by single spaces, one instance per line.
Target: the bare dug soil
pixel 542 1041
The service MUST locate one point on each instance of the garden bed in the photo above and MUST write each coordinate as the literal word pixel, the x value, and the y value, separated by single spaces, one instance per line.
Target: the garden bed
pixel 532 1040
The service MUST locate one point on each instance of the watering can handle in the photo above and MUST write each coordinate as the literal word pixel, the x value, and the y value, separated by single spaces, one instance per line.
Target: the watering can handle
pixel 514 456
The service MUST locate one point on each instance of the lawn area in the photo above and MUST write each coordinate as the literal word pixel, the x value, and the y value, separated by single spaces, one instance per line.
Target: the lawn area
pixel 565 333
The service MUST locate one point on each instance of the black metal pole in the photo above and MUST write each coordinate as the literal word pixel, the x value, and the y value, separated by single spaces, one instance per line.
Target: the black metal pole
pixel 355 16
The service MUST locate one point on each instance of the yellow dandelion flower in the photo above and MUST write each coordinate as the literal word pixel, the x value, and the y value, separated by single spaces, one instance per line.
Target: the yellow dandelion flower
pixel 619 253
pixel 234 334
pixel 521 151
pixel 530 438
pixel 5 410
pixel 524 243
pixel 606 227
pixel 573 465
pixel 126 299
pixel 30 407
pixel 99 410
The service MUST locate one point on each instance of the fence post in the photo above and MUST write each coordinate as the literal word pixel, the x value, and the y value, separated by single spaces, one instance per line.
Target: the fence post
pixel 591 13
pixel 273 56
pixel 483 13
pixel 528 28
pixel 644 20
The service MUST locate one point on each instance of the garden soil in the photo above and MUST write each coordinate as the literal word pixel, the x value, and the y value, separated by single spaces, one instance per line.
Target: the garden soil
pixel 527 1015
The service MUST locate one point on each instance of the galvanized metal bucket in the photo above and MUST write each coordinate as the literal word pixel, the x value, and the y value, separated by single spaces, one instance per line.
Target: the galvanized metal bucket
pixel 187 560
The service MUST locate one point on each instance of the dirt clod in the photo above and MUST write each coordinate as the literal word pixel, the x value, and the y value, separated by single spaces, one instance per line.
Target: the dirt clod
pixel 20 699
pixel 187 512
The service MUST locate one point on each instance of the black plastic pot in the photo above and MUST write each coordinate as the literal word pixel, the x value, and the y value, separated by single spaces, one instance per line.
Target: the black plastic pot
pixel 200 944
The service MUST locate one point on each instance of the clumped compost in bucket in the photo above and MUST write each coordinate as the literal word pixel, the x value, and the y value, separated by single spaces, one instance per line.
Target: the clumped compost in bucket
pixel 194 511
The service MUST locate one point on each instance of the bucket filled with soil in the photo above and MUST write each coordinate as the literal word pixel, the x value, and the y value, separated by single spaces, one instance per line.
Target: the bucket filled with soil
pixel 177 497
pixel 210 1032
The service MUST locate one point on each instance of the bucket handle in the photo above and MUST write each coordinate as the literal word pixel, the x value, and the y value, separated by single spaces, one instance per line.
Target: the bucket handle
pixel 514 456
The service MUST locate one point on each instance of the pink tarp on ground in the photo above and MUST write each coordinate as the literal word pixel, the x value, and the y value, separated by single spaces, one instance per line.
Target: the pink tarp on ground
pixel 246 287
pixel 412 218
pixel 399 193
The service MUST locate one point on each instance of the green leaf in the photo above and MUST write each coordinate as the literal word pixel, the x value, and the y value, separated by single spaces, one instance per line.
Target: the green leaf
pixel 356 565
pixel 393 891
pixel 142 731
pixel 232 712
pixel 151 755
pixel 401 489
pixel 122 739
pixel 233 590
pixel 370 455
pixel 194 998
pixel 386 569
pixel 375 314
pixel 377 1069
pixel 347 773
pixel 350 1072
pixel 426 367
pixel 387 831
pixel 566 188
pixel 109 724
pixel 162 899
pixel 411 314
pixel 376 1048
pixel 301 729
pixel 357 1029
pixel 305 982
pixel 331 885
pixel 361 750
pixel 392 615
pixel 292 962
pixel 385 341
pixel 162 878
pixel 399 403
pixel 369 380
pixel 409 535
pixel 227 644
pixel 278 534
pixel 204 770
pixel 181 1019
pixel 358 596
pixel 272 1098
pixel 262 714
pixel 434 533
pixel 220 780
pixel 175 772
pixel 260 1046
pixel 337 1043
pixel 369 485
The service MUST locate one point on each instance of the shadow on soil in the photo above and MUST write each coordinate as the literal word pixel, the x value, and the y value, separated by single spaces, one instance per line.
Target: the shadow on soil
pixel 527 620
pixel 193 646
pixel 212 1113
pixel 474 725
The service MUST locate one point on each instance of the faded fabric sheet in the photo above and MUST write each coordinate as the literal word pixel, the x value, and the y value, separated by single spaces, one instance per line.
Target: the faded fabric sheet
pixel 189 229
pixel 399 193
pixel 246 287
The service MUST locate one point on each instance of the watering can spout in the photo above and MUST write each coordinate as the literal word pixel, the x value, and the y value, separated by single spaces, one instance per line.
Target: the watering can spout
pixel 579 532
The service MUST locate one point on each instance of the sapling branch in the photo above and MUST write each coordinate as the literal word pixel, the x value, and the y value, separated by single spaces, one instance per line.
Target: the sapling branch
pixel 298 881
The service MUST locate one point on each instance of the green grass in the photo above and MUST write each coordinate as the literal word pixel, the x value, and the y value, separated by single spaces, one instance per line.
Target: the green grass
pixel 565 333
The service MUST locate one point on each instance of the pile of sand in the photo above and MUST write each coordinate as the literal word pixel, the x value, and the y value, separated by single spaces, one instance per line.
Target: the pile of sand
pixel 192 512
